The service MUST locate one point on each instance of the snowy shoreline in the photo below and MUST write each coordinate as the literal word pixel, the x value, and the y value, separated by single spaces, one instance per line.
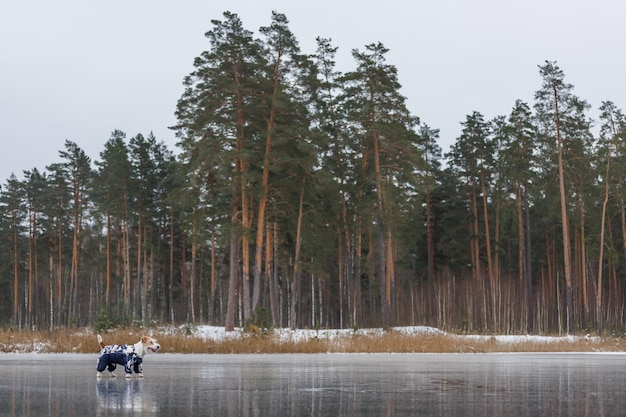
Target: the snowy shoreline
pixel 216 333
pixel 412 339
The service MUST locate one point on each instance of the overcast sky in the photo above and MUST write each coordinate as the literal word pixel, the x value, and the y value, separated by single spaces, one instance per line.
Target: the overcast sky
pixel 77 70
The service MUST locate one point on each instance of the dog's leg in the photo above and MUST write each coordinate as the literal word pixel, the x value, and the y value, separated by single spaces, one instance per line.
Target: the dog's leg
pixel 138 367
pixel 102 365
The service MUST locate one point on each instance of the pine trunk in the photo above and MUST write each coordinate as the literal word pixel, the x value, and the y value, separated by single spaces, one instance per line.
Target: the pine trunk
pixel 599 322
pixel 296 263
pixel 229 322
pixel 569 301
pixel 265 187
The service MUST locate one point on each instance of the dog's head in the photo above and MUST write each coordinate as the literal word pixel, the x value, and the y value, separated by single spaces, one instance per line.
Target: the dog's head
pixel 150 344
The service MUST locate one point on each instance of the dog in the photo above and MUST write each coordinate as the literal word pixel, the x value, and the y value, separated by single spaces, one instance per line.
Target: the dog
pixel 130 356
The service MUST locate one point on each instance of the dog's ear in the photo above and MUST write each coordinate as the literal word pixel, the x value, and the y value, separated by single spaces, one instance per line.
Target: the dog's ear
pixel 145 339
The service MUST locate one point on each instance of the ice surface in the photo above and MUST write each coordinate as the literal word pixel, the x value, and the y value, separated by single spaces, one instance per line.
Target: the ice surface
pixel 460 385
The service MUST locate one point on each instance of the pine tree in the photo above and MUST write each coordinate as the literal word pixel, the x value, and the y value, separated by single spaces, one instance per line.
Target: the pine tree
pixel 282 81
pixel 56 226
pixel 112 194
pixel 515 167
pixel 219 123
pixel 376 114
pixel 34 186
pixel 13 215
pixel 431 152
pixel 149 159
pixel 77 167
pixel 612 132
pixel 565 131
pixel 335 150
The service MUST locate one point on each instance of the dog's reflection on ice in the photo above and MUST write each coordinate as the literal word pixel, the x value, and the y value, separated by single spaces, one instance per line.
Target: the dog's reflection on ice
pixel 123 395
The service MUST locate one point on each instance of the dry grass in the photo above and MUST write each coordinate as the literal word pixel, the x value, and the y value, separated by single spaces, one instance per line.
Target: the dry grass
pixel 64 340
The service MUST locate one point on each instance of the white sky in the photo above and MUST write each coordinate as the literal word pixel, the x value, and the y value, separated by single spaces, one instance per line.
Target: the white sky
pixel 77 70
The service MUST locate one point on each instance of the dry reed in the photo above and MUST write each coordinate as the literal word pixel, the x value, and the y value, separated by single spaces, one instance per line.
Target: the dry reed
pixel 64 340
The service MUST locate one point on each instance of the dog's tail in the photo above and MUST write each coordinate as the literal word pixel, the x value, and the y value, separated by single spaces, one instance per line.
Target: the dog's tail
pixel 102 345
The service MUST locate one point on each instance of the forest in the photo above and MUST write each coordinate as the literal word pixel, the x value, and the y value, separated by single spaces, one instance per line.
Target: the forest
pixel 305 197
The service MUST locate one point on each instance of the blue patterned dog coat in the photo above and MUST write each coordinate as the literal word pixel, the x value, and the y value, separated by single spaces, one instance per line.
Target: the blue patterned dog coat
pixel 113 355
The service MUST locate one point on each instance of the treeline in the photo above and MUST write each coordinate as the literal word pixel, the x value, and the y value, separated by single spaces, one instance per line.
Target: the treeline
pixel 306 197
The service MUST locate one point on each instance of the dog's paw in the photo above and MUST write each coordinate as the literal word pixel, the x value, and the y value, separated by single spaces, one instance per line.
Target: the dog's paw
pixel 139 375
pixel 128 376
pixel 112 375
pixel 98 374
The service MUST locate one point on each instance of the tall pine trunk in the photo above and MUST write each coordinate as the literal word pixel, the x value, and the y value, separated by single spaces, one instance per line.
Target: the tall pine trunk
pixel 383 270
pixel 567 263
pixel 599 321
pixel 270 253
pixel 430 239
pixel 490 272
pixel 295 286
pixel 16 273
pixel 241 170
pixel 107 290
pixel 229 322
pixel 528 267
pixel 271 121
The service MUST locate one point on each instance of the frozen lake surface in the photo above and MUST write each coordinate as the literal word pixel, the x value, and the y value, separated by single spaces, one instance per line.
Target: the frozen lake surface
pixel 512 385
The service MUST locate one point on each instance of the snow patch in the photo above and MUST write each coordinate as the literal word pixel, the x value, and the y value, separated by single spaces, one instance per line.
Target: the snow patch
pixel 215 333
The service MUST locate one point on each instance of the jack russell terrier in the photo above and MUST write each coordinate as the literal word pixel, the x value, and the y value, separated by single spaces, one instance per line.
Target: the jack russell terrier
pixel 130 356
